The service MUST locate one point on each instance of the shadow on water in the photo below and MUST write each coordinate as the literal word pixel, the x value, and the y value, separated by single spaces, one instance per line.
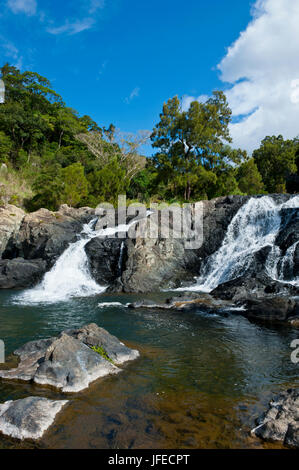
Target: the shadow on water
pixel 200 381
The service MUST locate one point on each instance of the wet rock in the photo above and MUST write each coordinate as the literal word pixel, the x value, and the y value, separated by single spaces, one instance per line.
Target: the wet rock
pixel 189 302
pixel 20 273
pixel 270 308
pixel 28 418
pixel 281 421
pixel 67 362
pixel 242 288
pixel 104 259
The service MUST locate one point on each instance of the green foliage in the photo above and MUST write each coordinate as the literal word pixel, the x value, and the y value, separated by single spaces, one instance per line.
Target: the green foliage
pixel 249 178
pixel 49 155
pixel 275 160
pixel 190 144
pixel 101 351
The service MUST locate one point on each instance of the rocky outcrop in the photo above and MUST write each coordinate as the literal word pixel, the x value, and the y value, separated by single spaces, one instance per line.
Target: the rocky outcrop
pixel 71 361
pixel 281 421
pixel 21 273
pixel 28 418
pixel 33 242
pixel 104 257
pixel 10 221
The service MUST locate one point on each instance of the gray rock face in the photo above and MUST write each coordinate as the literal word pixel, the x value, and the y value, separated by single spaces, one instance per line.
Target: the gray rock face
pixel 68 362
pixel 28 418
pixel 10 221
pixel 281 421
pixel 93 335
pixel 18 272
pixel 71 366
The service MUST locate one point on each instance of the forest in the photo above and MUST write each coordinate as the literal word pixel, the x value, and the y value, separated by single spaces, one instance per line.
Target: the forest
pixel 50 155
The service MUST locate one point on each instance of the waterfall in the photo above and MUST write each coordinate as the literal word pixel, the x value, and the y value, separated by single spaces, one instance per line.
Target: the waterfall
pixel 255 226
pixel 69 277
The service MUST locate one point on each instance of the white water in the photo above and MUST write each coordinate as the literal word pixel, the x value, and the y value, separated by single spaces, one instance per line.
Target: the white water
pixel 255 226
pixel 70 276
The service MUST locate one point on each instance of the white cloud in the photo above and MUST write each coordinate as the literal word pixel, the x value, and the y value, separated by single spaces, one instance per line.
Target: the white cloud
pixel 9 50
pixel 134 94
pixel 72 27
pixel 263 68
pixel 187 100
pixel 22 6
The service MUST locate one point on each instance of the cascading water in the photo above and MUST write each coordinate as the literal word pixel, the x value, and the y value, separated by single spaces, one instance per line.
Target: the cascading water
pixel 255 226
pixel 69 277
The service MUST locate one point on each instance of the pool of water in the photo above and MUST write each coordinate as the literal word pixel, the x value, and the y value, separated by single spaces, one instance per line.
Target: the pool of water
pixel 200 382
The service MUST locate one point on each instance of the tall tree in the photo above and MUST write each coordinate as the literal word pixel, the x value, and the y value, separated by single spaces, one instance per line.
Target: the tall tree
pixel 191 141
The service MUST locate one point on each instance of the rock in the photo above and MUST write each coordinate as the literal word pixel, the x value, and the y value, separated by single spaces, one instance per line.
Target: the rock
pixel 242 288
pixel 20 273
pixel 67 362
pixel 28 418
pixel 281 421
pixel 71 366
pixel 45 235
pixel 10 221
pixel 93 335
pixel 270 308
pixel 104 259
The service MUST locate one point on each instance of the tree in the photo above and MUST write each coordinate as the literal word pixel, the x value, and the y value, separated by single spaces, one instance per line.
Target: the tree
pixel 275 160
pixel 75 185
pixel 190 140
pixel 249 178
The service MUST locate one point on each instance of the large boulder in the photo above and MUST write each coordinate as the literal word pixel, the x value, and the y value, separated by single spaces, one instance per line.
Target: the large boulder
pixel 21 273
pixel 10 221
pixel 29 417
pixel 71 361
pixel 105 259
pixel 281 421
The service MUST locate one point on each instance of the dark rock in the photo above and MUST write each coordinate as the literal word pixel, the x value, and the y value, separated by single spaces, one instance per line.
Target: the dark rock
pixel 28 418
pixel 270 308
pixel 281 421
pixel 45 234
pixel 20 273
pixel 104 259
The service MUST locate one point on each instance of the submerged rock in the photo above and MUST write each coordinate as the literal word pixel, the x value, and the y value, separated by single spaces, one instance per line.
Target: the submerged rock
pixel 281 421
pixel 67 362
pixel 28 418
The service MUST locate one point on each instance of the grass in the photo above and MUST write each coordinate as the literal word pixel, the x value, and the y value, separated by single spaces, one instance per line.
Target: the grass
pixel 101 351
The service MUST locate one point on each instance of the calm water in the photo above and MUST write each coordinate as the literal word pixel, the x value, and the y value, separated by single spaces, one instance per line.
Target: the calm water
pixel 200 381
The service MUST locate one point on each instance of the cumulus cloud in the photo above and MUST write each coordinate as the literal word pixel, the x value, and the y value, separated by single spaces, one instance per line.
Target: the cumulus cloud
pixel 22 6
pixel 263 70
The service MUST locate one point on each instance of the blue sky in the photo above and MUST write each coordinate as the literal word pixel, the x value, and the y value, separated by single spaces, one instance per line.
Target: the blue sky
pixel 119 60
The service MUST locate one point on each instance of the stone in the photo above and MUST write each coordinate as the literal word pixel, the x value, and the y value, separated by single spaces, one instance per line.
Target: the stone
pixel 20 273
pixel 281 421
pixel 29 417
pixel 68 362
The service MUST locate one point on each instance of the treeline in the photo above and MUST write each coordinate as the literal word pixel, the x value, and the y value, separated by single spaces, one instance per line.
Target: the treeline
pixel 50 155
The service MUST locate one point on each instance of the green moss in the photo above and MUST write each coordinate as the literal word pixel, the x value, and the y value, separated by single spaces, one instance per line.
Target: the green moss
pixel 101 351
